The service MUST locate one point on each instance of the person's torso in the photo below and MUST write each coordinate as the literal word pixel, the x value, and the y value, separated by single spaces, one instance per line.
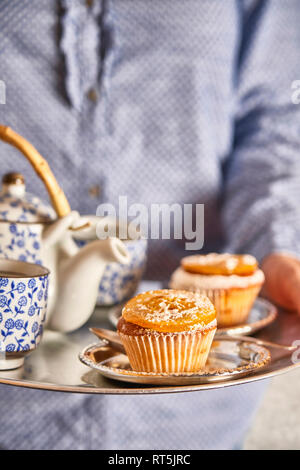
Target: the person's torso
pixel 124 99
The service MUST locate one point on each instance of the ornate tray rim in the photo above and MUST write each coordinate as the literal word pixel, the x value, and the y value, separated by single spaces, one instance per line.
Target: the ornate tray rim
pixel 206 377
pixel 86 388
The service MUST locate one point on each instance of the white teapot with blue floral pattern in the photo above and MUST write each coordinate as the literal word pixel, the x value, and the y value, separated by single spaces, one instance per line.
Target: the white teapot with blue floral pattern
pixel 34 232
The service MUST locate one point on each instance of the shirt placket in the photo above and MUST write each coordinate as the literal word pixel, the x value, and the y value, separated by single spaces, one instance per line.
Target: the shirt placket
pixel 81 46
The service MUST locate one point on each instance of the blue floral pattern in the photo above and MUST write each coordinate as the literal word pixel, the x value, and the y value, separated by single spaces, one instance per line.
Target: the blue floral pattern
pixel 27 209
pixel 120 281
pixel 23 307
pixel 21 242
pixel 20 237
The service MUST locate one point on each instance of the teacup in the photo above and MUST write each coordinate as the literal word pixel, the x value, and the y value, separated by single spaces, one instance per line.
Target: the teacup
pixel 23 305
pixel 119 281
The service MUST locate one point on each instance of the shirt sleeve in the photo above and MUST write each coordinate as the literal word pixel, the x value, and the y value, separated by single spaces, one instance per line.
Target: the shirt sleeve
pixel 261 196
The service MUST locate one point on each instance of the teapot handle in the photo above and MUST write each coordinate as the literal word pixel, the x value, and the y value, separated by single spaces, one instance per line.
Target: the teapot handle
pixel 41 167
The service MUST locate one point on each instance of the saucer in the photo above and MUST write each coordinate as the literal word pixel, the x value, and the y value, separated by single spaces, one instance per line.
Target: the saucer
pixel 227 360
pixel 262 314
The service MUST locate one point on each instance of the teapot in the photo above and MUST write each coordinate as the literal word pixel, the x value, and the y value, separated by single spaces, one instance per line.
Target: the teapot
pixel 35 232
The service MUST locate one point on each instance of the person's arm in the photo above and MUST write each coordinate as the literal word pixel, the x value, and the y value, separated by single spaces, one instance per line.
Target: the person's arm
pixel 261 199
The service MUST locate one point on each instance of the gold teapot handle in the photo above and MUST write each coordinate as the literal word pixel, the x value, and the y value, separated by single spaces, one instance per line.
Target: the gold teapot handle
pixel 41 167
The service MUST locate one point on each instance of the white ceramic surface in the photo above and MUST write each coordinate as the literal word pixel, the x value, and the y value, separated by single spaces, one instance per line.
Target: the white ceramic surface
pixel 119 281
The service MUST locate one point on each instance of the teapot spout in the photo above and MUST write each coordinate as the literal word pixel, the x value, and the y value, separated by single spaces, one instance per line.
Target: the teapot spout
pixel 78 282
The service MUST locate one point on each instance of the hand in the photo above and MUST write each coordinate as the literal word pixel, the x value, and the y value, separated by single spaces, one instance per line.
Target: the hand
pixel 282 283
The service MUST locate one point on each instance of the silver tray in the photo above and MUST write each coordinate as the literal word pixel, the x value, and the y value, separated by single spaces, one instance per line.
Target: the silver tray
pixel 262 314
pixel 55 364
pixel 226 361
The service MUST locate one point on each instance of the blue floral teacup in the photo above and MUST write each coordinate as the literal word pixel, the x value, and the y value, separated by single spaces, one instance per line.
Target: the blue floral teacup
pixel 119 281
pixel 23 305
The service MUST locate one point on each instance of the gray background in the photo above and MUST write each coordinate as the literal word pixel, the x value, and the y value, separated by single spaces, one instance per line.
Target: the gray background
pixel 277 423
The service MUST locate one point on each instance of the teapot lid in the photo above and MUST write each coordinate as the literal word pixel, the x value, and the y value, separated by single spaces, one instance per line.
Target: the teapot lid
pixel 16 205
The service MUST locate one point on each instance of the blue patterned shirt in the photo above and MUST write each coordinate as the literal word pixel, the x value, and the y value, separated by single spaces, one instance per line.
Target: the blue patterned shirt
pixel 163 101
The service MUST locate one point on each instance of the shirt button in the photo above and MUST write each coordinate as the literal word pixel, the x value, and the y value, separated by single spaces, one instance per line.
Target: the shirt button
pixel 89 3
pixel 95 191
pixel 93 95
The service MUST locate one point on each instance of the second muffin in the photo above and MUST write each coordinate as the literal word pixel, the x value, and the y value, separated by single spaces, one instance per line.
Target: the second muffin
pixel 232 283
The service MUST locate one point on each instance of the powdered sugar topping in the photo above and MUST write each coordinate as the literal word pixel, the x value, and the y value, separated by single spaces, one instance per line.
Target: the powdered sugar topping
pixel 169 306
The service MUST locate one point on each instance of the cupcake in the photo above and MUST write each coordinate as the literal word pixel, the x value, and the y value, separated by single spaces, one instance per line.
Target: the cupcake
pixel 167 331
pixel 231 282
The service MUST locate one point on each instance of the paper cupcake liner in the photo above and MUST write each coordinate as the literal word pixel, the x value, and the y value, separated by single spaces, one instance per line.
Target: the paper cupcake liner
pixel 232 305
pixel 174 352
